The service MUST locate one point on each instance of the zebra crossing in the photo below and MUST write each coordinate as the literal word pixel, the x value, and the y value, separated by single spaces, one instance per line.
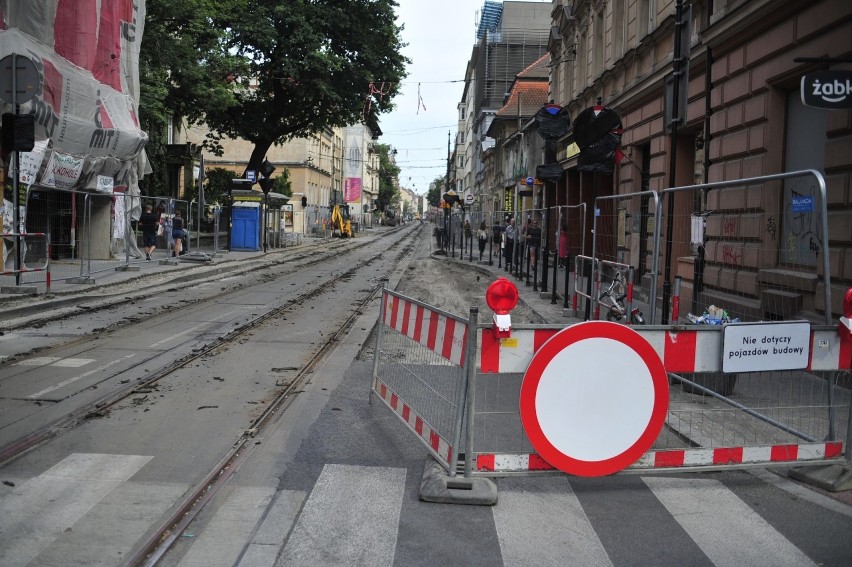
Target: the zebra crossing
pixel 88 510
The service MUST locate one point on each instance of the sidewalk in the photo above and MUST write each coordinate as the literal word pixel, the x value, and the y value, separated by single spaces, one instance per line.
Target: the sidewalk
pixel 71 280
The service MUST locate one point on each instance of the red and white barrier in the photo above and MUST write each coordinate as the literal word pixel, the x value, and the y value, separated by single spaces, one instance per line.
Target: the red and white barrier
pixel 415 422
pixel 495 462
pixel 439 333
pixel 681 351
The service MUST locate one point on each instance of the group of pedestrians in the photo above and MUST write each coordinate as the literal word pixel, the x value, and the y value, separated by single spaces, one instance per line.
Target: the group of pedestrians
pixel 504 237
pixel 158 224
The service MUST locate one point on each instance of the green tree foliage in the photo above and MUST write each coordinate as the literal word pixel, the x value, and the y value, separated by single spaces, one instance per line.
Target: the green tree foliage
pixel 388 178
pixel 312 64
pixel 216 183
pixel 283 184
pixel 436 189
pixel 184 73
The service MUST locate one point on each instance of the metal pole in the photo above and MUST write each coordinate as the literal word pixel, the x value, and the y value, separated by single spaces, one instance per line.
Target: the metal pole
pixel 16 215
pixel 667 286
pixel 379 332
pixel 470 387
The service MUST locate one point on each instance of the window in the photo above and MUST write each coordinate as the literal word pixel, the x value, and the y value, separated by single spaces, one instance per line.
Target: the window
pixel 598 47
pixel 619 30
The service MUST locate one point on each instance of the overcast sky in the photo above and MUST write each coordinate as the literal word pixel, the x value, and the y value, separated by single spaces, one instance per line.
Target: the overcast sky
pixel 440 35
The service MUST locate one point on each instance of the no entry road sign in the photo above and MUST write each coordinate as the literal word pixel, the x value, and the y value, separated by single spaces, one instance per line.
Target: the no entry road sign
pixel 594 398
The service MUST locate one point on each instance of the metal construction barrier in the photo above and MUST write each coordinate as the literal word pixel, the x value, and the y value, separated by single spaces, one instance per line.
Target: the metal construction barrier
pixel 420 371
pixel 750 230
pixel 34 251
pixel 616 238
pixel 721 397
pixel 715 419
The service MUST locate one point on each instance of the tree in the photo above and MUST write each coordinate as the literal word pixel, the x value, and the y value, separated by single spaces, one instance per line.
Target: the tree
pixel 283 185
pixel 436 189
pixel 217 182
pixel 184 70
pixel 312 64
pixel 388 178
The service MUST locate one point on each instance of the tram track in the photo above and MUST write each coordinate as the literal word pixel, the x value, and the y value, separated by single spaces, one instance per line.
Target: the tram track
pixel 100 406
pixel 154 548
pixel 166 532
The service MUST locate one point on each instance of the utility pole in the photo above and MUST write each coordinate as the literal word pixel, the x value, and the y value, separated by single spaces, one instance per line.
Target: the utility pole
pixel 676 80
pixel 448 227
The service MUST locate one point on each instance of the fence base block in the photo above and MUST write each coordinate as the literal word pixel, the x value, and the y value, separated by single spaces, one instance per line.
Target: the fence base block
pixel 81 280
pixel 19 290
pixel 438 486
pixel 833 478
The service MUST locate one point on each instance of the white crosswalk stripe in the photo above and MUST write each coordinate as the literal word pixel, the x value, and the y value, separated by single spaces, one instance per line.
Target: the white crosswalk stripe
pixel 36 513
pixel 726 529
pixel 365 534
pixel 546 529
pixel 86 510
pixel 220 542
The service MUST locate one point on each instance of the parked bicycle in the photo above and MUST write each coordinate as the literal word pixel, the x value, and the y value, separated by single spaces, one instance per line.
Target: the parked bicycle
pixel 613 299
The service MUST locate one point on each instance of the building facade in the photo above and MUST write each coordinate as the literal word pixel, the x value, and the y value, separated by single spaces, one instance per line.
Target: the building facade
pixel 761 251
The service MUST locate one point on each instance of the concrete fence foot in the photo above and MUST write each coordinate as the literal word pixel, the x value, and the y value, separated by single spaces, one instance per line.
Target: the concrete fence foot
pixel 833 478
pixel 438 486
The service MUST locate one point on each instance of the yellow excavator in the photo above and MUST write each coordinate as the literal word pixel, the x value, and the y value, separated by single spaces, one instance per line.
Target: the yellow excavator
pixel 340 223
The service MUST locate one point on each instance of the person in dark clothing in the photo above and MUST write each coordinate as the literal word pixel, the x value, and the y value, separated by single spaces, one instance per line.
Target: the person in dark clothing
pixel 149 223
pixel 510 232
pixel 177 233
pixel 533 238
pixel 482 237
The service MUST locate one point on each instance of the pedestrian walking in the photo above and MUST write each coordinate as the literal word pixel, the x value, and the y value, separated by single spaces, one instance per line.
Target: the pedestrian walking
pixel 149 223
pixel 533 238
pixel 563 245
pixel 482 237
pixel 177 233
pixel 510 232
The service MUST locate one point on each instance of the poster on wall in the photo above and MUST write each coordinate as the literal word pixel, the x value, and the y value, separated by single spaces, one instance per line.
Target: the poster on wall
pixel 352 189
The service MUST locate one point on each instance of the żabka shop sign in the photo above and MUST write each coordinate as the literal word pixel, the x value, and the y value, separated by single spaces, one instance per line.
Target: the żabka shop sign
pixel 827 89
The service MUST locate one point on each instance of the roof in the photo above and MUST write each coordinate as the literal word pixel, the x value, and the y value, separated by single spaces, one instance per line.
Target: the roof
pixel 539 69
pixel 532 96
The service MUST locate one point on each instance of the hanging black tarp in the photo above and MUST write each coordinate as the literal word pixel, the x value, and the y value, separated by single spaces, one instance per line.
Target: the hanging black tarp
pixel 597 132
pixel 549 172
pixel 552 121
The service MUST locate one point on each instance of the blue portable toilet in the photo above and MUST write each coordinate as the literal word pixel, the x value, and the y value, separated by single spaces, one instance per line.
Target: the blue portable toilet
pixel 245 227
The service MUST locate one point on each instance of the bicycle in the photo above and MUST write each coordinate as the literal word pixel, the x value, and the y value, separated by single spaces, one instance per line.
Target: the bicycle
pixel 616 309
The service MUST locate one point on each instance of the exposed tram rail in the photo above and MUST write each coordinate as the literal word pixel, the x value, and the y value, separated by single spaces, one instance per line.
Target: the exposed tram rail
pixel 100 405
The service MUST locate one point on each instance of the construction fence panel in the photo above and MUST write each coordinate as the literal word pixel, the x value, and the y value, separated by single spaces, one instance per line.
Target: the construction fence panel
pixel 569 230
pixel 715 419
pixel 420 371
pixel 625 232
pixel 89 232
pixel 755 248
pixel 33 268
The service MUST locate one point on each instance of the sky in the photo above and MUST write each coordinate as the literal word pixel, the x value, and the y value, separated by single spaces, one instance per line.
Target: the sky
pixel 440 35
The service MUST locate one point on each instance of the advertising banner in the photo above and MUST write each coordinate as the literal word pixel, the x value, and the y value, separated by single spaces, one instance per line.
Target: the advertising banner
pixel 352 189
pixel 86 102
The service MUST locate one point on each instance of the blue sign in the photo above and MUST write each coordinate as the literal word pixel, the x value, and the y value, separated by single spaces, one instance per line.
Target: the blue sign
pixel 251 175
pixel 803 204
pixel 530 181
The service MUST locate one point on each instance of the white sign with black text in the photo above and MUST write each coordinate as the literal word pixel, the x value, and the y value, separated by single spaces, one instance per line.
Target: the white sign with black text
pixel 755 347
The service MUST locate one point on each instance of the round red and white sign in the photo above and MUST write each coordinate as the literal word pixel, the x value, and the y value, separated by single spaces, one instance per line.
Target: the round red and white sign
pixel 594 398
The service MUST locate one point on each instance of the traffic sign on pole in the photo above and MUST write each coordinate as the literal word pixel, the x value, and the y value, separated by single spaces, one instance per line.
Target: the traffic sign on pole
pixel 19 79
pixel 594 398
